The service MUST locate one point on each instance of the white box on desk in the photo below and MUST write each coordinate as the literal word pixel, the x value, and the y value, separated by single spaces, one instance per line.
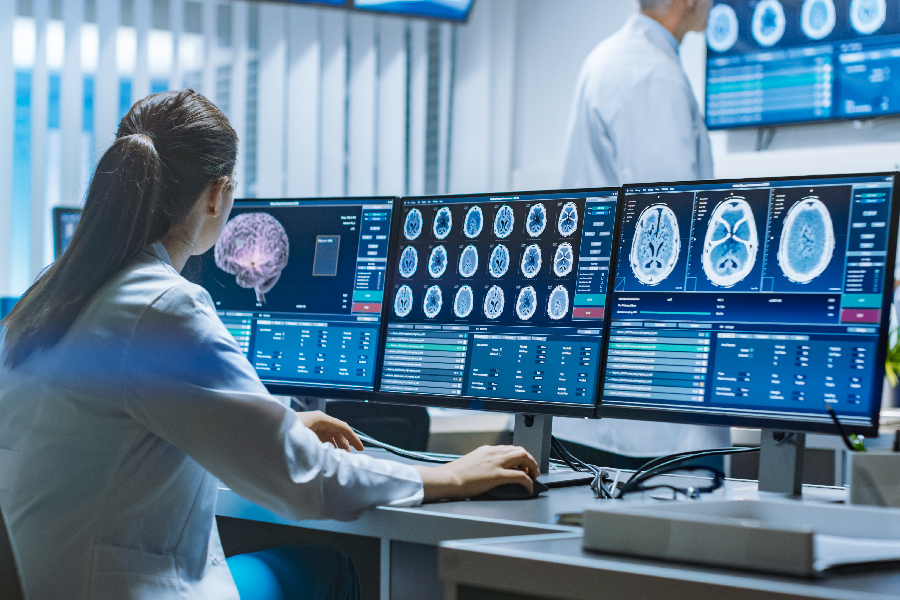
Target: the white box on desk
pixel 788 537
pixel 875 478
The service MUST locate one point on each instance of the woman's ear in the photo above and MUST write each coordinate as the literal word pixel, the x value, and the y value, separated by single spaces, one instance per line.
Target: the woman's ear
pixel 215 201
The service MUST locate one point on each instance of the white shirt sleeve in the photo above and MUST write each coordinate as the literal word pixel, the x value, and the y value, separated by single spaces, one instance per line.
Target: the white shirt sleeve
pixel 189 383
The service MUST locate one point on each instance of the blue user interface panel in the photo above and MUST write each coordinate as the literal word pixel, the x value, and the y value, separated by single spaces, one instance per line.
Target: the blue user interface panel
pixel 299 284
pixel 754 300
pixel 452 10
pixel 500 297
pixel 788 61
pixel 65 220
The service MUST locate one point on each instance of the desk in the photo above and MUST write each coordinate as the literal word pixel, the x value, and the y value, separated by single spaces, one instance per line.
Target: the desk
pixel 408 537
pixel 554 567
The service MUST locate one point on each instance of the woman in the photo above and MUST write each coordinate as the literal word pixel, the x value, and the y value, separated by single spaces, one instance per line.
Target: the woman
pixel 124 400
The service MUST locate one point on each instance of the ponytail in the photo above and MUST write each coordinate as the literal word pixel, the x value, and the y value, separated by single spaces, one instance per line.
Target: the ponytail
pixel 169 148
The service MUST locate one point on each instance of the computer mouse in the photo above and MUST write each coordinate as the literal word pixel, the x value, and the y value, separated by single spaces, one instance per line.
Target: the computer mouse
pixel 512 491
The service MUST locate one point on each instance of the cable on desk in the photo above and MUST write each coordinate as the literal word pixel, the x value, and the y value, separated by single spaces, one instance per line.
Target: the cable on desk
pixel 419 456
pixel 601 476
pixel 667 464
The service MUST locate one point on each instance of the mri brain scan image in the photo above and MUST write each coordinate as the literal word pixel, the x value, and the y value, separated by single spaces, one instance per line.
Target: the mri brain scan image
pixel 817 18
pixel 412 227
pixel 526 303
pixel 493 302
pixel 563 260
pixel 531 261
pixel 443 222
pixel 807 241
pixel 504 221
pixel 558 304
pixel 464 302
pixel 499 261
pixel 468 261
pixel 768 22
pixel 474 222
pixel 403 301
pixel 656 245
pixel 433 302
pixel 867 16
pixel 722 28
pixel 729 250
pixel 437 262
pixel 254 248
pixel 537 220
pixel 409 261
pixel 568 219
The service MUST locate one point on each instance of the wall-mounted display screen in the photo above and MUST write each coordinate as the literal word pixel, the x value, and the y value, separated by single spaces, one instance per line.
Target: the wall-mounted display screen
pixel 499 299
pixel 752 302
pixel 789 61
pixel 299 283
pixel 65 220
pixel 453 10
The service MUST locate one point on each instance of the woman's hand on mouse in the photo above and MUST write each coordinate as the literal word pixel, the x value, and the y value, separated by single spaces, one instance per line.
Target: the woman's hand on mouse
pixel 479 471
pixel 330 430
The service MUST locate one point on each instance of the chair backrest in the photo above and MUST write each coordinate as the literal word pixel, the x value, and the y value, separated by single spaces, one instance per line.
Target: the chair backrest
pixel 402 426
pixel 10 586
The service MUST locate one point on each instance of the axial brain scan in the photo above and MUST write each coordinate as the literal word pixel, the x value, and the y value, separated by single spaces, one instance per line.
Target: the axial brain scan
pixel 867 16
pixel 493 302
pixel 474 222
pixel 558 305
pixel 437 263
pixel 443 222
pixel 563 260
pixel 409 261
pixel 433 302
pixel 531 261
pixel 413 225
pixel 537 220
pixel 768 22
pixel 817 18
pixel 504 221
pixel 254 248
pixel 526 303
pixel 722 28
pixel 468 261
pixel 403 301
pixel 464 302
pixel 499 262
pixel 729 251
pixel 568 219
pixel 656 245
pixel 807 241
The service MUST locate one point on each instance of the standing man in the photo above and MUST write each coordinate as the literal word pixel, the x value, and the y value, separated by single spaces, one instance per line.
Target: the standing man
pixel 635 119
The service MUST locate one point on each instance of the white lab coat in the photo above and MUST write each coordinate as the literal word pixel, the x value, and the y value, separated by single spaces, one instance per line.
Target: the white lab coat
pixel 112 445
pixel 635 119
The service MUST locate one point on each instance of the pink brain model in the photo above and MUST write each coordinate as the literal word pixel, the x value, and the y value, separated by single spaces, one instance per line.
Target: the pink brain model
pixel 254 248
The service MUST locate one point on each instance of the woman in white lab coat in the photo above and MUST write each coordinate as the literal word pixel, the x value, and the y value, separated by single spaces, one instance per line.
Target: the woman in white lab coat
pixel 124 400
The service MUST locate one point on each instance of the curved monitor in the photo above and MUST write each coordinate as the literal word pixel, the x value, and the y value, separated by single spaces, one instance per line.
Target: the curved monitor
pixel 498 301
pixel 753 302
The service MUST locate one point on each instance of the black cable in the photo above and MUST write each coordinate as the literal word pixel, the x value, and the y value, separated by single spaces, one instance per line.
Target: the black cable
pixel 601 476
pixel 667 466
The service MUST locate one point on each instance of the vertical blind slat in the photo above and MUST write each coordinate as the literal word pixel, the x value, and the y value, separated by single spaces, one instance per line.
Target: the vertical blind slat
pixel 361 121
pixel 106 81
pixel 71 104
pixel 272 70
pixel 444 106
pixel 391 158
pixel 208 82
pixel 304 75
pixel 418 99
pixel 40 89
pixel 334 75
pixel 176 26
pixel 7 119
pixel 143 12
pixel 238 104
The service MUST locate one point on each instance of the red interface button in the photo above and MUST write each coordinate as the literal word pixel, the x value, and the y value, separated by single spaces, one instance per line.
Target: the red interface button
pixel 583 312
pixel 366 307
pixel 861 315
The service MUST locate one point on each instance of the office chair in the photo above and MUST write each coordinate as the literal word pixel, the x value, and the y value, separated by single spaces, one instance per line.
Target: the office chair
pixel 402 426
pixel 10 585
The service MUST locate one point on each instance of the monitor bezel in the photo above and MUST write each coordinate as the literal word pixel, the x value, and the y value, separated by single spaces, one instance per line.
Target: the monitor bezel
pixel 498 404
pixel 312 391
pixel 58 212
pixel 691 418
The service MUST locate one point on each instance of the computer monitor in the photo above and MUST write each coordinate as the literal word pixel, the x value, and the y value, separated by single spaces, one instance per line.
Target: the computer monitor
pixel 753 302
pixel 497 301
pixel 65 220
pixel 299 283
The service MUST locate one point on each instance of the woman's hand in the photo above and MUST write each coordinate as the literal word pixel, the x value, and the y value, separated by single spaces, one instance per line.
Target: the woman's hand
pixel 479 471
pixel 330 430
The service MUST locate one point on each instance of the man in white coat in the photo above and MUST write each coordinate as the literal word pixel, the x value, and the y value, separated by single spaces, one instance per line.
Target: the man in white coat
pixel 635 119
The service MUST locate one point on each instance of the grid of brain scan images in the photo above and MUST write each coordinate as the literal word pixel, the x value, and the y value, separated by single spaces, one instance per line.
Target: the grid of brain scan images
pixel 483 275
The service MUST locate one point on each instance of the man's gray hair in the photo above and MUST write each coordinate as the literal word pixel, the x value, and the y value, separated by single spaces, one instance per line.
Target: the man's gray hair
pixel 654 4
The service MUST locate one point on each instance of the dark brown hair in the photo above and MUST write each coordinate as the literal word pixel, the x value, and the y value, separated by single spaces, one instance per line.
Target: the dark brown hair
pixel 169 148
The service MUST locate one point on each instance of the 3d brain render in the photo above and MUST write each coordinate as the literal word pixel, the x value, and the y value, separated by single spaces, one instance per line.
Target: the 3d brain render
pixel 654 251
pixel 729 251
pixel 807 241
pixel 254 248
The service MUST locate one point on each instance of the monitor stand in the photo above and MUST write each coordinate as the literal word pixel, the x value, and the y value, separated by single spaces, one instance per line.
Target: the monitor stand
pixel 533 432
pixel 781 462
